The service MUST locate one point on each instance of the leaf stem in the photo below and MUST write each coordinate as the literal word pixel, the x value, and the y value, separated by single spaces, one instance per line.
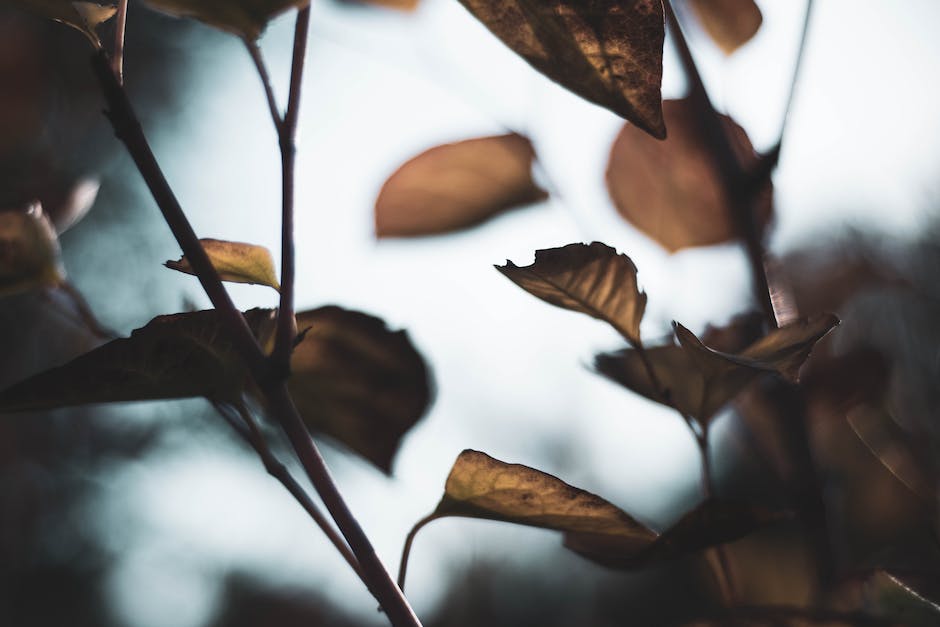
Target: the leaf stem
pixel 255 53
pixel 128 129
pixel 406 550
pixel 740 188
pixel 286 325
pixel 120 25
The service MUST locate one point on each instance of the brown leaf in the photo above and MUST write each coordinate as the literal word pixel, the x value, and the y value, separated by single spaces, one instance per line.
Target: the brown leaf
pixel 358 382
pixel 699 381
pixel 480 486
pixel 588 278
pixel 608 52
pixel 672 190
pixel 29 251
pixel 712 522
pixel 400 5
pixel 730 23
pixel 83 16
pixel 245 18
pixel 455 186
pixel 174 356
pixel 236 262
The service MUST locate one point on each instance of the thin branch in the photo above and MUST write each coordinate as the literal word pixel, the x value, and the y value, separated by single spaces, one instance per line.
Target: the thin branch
pixel 85 313
pixel 242 422
pixel 406 549
pixel 286 325
pixel 738 186
pixel 255 53
pixel 120 24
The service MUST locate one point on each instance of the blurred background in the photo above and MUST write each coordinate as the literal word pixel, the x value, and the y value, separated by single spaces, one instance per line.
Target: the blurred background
pixel 152 515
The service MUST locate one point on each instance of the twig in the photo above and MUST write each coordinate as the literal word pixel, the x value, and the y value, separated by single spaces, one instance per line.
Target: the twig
pixel 286 325
pixel 120 24
pixel 85 313
pixel 127 128
pixel 406 550
pixel 255 53
pixel 241 421
pixel 738 186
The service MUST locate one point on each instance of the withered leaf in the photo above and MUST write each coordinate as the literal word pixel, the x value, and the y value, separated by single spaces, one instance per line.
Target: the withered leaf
pixel 699 381
pixel 607 51
pixel 174 356
pixel 480 486
pixel 245 18
pixel 84 16
pixel 712 522
pixel 236 262
pixel 672 190
pixel 29 251
pixel 358 382
pixel 589 278
pixel 455 186
pixel 401 5
pixel 730 23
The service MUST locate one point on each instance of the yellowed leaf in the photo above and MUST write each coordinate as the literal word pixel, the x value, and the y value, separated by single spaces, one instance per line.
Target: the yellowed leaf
pixel 730 23
pixel 29 251
pixel 245 18
pixel 236 262
pixel 84 16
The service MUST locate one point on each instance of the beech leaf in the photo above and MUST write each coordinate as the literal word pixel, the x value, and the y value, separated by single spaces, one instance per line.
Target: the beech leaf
pixel 245 18
pixel 480 486
pixel 730 23
pixel 588 278
pixel 711 523
pixel 699 381
pixel 173 356
pixel 236 262
pixel 83 16
pixel 358 382
pixel 609 52
pixel 455 186
pixel 672 190
pixel 29 251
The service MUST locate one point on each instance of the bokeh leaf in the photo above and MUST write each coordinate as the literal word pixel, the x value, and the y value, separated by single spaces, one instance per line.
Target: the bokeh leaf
pixel 29 251
pixel 358 382
pixel 672 190
pixel 174 356
pixel 589 278
pixel 699 381
pixel 608 52
pixel 730 23
pixel 455 186
pixel 236 262
pixel 245 18
pixel 480 486
pixel 84 16
pixel 711 523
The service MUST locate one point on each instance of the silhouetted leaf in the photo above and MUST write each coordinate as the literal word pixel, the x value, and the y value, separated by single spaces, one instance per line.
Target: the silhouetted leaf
pixel 174 356
pixel 730 23
pixel 711 523
pixel 608 52
pixel 84 16
pixel 591 279
pixel 29 251
pixel 480 486
pixel 454 186
pixel 358 382
pixel 698 380
pixel 236 262
pixel 245 18
pixel 890 445
pixel 672 190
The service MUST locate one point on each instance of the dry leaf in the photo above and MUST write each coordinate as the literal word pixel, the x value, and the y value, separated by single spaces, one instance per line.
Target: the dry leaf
pixel 730 23
pixel 358 382
pixel 592 279
pixel 400 5
pixel 672 190
pixel 608 52
pixel 480 486
pixel 84 16
pixel 455 186
pixel 245 18
pixel 174 356
pixel 29 251
pixel 236 262
pixel 698 380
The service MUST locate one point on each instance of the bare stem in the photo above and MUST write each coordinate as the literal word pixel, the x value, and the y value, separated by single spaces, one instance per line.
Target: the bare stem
pixel 127 128
pixel 120 24
pixel 286 325
pixel 255 53
pixel 740 188
pixel 406 550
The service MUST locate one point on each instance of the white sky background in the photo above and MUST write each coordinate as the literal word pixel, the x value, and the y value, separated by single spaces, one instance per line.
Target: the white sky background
pixel 511 371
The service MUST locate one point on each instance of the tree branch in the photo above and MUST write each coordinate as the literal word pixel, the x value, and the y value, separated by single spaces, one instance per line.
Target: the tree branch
pixel 255 53
pixel 120 24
